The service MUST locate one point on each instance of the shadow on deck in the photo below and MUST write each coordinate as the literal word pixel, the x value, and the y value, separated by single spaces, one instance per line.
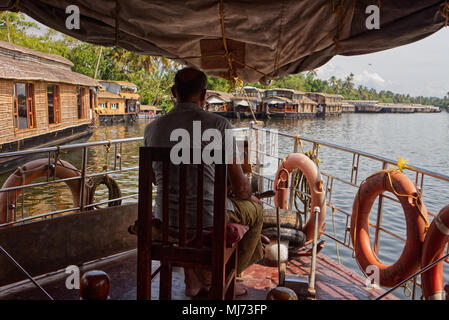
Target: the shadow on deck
pixel 333 281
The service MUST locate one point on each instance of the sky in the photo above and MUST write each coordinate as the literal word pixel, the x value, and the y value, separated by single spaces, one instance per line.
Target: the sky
pixel 418 69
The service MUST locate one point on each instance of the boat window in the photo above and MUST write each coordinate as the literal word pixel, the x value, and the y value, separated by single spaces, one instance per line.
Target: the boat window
pixel 102 105
pixel 54 107
pixel 80 102
pixel 114 105
pixel 23 106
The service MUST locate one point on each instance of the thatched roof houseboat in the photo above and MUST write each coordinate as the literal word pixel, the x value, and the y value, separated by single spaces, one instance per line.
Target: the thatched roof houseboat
pixel 278 103
pixel 305 106
pixel 248 102
pixel 117 100
pixel 220 103
pixel 328 104
pixel 42 101
pixel 347 107
pixel 366 106
pixel 149 112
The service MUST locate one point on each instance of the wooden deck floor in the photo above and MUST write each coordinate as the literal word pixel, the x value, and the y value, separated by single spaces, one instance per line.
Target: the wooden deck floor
pixel 333 281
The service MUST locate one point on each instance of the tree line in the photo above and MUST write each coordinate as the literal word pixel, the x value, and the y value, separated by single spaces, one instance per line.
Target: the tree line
pixel 154 75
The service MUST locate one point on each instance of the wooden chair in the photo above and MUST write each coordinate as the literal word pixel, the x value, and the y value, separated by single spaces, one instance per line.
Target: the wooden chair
pixel 218 258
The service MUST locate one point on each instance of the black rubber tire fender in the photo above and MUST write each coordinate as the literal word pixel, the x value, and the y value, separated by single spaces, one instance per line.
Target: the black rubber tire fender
pixel 287 219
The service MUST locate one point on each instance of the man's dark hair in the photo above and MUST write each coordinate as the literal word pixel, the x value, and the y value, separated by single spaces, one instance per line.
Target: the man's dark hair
pixel 189 81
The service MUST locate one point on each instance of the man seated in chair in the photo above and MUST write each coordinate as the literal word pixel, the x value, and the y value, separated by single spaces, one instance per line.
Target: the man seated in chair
pixel 243 208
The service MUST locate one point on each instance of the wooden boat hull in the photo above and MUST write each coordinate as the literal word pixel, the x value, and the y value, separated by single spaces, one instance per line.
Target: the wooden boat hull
pixel 115 118
pixel 49 139
pixel 283 115
pixel 226 114
pixel 52 244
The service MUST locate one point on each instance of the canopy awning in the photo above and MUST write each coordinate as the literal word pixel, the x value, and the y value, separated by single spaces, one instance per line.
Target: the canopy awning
pixel 243 103
pixel 256 40
pixel 214 100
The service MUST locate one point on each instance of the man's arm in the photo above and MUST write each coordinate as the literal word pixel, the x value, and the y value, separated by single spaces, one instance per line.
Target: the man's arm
pixel 240 185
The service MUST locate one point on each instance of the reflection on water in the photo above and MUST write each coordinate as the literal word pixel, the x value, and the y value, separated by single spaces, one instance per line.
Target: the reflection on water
pixel 422 139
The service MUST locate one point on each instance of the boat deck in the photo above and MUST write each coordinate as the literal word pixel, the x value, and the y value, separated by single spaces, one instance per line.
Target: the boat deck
pixel 333 281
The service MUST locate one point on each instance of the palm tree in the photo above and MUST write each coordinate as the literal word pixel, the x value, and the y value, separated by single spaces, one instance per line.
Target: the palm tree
pixel 333 83
pixel 348 85
pixel 312 73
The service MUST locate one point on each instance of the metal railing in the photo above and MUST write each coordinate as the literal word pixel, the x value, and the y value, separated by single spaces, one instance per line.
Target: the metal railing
pixel 352 180
pixel 53 154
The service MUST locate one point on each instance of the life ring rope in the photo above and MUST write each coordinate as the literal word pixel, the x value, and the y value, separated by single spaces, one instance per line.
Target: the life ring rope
pixel 415 198
pixel 416 222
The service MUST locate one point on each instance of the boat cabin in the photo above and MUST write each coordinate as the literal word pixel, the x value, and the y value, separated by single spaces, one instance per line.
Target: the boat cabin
pixel 279 103
pixel 42 101
pixel 347 107
pixel 117 100
pixel 327 104
pixel 366 106
pixel 220 103
pixel 247 103
pixel 148 112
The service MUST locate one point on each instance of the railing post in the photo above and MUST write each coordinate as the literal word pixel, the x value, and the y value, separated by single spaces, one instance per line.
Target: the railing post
pixel 83 178
pixel 292 187
pixel 379 217
pixel 311 289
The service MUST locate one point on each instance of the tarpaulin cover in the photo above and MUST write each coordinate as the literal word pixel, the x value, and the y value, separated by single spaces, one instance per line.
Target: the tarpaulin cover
pixel 264 38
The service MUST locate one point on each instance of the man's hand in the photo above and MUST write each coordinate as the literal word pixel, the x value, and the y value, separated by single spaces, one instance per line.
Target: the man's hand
pixel 256 200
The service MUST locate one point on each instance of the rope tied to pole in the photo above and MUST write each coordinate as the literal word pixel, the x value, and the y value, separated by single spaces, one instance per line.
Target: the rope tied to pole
pixel 231 75
pixel 416 199
pixel 444 9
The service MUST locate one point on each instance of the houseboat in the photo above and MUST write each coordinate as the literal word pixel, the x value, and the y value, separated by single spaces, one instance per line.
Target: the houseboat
pixel 306 107
pixel 247 103
pixel 327 104
pixel 42 101
pixel 425 108
pixel 396 108
pixel 365 106
pixel 278 103
pixel 149 112
pixel 220 103
pixel 347 107
pixel 117 101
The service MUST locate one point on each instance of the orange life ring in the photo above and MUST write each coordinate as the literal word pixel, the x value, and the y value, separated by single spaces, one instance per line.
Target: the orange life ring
pixel 33 170
pixel 416 220
pixel 434 243
pixel 313 176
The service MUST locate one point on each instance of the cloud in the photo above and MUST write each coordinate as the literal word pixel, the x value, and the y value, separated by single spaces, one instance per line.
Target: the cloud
pixel 370 79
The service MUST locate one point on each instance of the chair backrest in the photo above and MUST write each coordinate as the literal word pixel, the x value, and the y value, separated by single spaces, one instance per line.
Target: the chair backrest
pixel 216 256
pixel 149 155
